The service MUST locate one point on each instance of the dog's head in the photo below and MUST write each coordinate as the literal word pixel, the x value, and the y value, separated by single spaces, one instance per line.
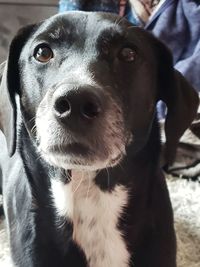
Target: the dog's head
pixel 88 86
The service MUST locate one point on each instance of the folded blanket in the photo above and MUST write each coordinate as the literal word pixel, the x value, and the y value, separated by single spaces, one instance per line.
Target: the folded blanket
pixel 187 160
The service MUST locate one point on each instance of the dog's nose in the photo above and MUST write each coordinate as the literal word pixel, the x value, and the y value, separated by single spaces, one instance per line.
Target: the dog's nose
pixel 83 103
pixel 62 107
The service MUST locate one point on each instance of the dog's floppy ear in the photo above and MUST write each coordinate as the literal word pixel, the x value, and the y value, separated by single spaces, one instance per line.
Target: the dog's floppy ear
pixel 10 86
pixel 180 98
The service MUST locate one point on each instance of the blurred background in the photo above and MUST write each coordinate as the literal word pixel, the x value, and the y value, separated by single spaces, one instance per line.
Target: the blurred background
pixel 16 13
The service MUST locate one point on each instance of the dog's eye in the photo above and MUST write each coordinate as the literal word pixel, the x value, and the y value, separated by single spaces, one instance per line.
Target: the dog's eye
pixel 43 53
pixel 127 54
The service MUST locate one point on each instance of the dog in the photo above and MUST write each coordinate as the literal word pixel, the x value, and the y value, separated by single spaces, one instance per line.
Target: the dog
pixel 82 179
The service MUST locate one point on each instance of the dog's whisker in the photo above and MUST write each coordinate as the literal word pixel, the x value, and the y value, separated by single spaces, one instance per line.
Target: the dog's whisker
pixel 121 167
pixel 67 176
pixel 132 26
pixel 89 185
pixel 118 21
pixel 80 182
pixel 39 157
pixel 34 129
pixel 108 177
pixel 32 119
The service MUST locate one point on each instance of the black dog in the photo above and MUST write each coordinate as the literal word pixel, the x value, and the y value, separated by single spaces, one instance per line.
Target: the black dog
pixel 82 184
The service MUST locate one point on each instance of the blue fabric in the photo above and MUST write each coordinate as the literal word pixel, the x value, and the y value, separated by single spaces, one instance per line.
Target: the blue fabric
pixel 103 5
pixel 111 6
pixel 177 24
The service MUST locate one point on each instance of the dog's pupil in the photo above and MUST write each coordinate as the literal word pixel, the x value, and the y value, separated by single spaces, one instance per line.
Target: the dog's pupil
pixel 44 54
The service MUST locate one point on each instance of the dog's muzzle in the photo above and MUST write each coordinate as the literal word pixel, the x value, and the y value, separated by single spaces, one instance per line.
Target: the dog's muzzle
pixel 80 126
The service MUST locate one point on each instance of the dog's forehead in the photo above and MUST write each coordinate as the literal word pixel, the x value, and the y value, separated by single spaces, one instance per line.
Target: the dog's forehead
pixel 87 31
pixel 80 24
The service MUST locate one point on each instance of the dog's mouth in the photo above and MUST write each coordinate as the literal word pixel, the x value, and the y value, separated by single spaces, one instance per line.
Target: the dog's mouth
pixel 79 156
pixel 73 149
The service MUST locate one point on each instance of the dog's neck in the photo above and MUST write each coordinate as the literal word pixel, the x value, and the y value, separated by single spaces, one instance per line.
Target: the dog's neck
pixel 94 214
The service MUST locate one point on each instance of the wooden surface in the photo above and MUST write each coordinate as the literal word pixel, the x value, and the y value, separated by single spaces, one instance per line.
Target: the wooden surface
pixel 13 17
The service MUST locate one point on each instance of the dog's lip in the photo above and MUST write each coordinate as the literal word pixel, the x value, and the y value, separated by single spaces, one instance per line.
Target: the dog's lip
pixel 71 148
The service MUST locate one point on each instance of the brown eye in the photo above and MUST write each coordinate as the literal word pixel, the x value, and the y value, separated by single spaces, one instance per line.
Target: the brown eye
pixel 127 54
pixel 43 54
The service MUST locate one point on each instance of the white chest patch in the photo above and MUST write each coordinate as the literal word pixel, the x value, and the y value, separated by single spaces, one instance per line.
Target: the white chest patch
pixel 95 216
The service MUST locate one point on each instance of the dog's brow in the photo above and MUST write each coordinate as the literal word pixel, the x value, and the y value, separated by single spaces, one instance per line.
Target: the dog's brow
pixel 55 34
pixel 111 35
pixel 113 32
pixel 58 31
pixel 50 36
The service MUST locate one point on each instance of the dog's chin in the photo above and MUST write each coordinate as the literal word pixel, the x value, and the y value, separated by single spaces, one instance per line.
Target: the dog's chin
pixel 86 161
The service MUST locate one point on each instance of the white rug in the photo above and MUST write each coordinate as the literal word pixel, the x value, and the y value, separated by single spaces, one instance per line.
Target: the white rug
pixel 185 196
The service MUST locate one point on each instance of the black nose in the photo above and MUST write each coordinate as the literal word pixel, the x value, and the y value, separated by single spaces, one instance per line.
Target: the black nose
pixel 62 107
pixel 81 102
pixel 90 109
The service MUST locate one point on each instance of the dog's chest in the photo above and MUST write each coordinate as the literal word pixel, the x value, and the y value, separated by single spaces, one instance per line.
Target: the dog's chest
pixel 95 215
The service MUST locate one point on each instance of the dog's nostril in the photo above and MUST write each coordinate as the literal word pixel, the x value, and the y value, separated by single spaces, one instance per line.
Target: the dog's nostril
pixel 62 106
pixel 90 110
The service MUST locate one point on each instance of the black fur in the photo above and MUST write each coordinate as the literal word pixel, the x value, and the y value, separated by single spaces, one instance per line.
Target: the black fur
pixel 39 238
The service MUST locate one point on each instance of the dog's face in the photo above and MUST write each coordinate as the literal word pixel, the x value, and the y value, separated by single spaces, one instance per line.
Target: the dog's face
pixel 88 86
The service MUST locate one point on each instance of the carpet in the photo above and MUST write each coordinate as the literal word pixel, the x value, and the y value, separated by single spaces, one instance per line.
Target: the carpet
pixel 185 196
